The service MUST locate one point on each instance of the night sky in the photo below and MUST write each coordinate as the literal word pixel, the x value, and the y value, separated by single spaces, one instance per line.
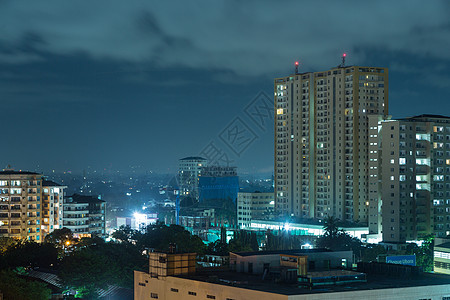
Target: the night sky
pixel 114 84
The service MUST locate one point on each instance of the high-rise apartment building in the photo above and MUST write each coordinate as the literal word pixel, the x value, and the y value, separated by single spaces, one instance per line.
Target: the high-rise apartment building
pixel 52 206
pixel 321 140
pixel 410 189
pixel 189 169
pixel 218 183
pixel 20 205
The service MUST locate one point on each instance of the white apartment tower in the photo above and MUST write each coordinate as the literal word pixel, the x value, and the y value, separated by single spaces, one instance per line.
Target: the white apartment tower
pixel 52 206
pixel 410 194
pixel 321 140
pixel 189 169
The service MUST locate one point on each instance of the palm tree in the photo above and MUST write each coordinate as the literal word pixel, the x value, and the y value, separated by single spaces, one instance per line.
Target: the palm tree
pixel 330 227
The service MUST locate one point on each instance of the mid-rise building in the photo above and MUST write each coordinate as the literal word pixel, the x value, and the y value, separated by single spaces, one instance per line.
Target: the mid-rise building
pixel 410 190
pixel 188 172
pixel 84 215
pixel 52 206
pixel 20 205
pixel 322 139
pixel 252 206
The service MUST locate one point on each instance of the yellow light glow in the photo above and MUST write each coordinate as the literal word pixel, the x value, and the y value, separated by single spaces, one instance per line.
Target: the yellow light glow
pixel 279 111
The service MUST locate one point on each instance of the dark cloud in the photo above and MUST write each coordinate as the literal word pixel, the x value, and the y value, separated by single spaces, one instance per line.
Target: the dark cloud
pixel 148 82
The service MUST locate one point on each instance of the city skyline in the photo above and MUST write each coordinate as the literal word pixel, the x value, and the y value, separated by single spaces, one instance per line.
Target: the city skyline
pixel 149 84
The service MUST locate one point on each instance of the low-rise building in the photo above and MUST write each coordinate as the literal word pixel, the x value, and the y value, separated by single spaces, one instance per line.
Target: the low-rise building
pixel 313 228
pixel 442 258
pixel 315 260
pixel 174 276
pixel 254 205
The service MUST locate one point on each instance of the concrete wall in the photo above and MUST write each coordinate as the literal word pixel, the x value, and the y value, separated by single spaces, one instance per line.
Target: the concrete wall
pixel 172 288
pixel 435 292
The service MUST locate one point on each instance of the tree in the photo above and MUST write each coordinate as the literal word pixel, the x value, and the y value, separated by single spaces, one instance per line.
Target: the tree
pixel 7 242
pixel 124 234
pixel 331 227
pixel 97 266
pixel 338 240
pixel 218 248
pixel 372 251
pixel 30 254
pixel 424 253
pixel 159 237
pixel 243 241
pixel 59 236
pixel 14 287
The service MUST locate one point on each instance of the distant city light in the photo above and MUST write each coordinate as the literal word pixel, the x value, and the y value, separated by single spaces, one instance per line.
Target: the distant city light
pixel 307 246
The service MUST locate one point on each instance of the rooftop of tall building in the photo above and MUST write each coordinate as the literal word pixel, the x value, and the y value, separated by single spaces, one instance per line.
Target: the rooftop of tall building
pixel 50 183
pixel 77 198
pixel 193 158
pixel 428 116
pixel 11 171
pixel 256 282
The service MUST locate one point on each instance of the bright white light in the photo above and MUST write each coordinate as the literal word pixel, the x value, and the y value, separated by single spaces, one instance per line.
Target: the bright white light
pixel 272 202
pixel 307 246
pixel 144 207
pixel 287 227
pixel 140 218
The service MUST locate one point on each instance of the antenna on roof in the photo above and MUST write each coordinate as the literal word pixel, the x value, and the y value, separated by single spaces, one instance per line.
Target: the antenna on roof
pixel 343 59
pixel 296 67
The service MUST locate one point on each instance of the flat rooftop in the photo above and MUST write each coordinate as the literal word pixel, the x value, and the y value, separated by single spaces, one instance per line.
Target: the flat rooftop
pixel 255 282
pixel 14 172
pixel 285 252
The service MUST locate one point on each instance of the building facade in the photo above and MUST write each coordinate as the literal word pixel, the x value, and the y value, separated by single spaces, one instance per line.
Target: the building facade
pixel 218 183
pixel 442 258
pixel 188 172
pixel 85 215
pixel 52 206
pixel 411 196
pixel 321 140
pixel 255 205
pixel 20 205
